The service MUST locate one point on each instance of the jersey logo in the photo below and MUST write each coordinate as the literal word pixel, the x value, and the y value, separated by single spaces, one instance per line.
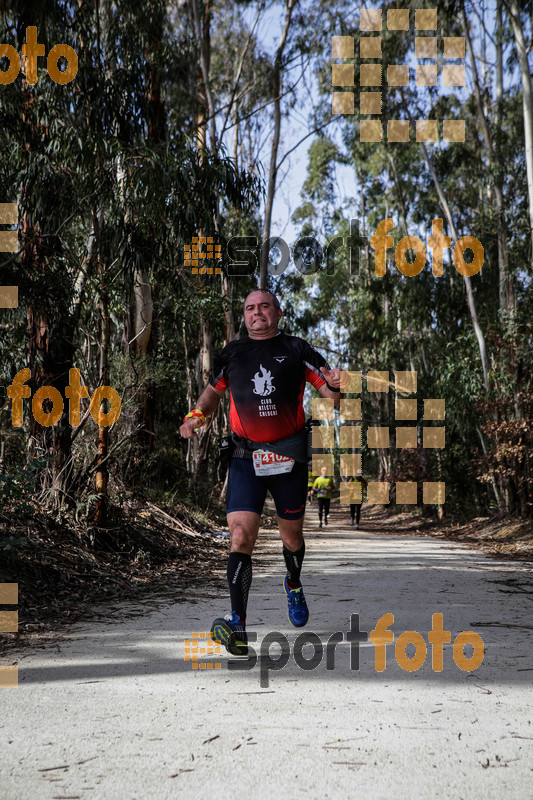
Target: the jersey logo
pixel 263 382
pixel 281 359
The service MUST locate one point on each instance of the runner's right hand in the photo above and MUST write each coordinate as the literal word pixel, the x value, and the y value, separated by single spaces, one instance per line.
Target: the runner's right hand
pixel 187 430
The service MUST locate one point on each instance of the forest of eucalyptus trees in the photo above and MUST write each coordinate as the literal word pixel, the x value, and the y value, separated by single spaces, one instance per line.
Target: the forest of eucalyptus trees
pixel 180 124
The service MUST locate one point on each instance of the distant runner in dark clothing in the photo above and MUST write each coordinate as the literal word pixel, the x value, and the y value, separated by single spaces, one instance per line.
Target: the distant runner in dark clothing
pixel 356 486
pixel 266 374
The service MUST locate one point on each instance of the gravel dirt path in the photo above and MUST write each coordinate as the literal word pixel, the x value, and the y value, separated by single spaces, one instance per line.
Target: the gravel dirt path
pixel 114 711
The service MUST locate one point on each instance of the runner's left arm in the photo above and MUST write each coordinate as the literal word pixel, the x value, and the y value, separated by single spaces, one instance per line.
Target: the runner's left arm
pixel 319 374
pixel 326 381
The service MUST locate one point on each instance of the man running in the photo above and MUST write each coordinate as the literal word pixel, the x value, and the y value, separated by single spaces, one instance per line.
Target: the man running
pixel 356 486
pixel 266 374
pixel 323 487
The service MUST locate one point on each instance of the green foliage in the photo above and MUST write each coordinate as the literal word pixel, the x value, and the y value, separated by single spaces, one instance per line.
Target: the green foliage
pixel 17 489
pixel 19 485
pixel 423 323
pixel 111 182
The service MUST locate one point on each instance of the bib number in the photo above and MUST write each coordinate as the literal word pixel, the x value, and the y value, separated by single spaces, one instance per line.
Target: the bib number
pixel 267 463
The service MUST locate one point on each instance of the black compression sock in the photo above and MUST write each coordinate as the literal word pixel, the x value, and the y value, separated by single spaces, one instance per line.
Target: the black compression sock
pixel 294 563
pixel 239 574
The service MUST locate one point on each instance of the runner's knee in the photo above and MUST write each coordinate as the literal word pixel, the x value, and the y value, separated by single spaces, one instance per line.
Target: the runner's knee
pixel 291 532
pixel 293 542
pixel 242 539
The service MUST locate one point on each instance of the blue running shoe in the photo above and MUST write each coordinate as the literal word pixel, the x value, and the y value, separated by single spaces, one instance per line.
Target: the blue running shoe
pixel 298 611
pixel 230 632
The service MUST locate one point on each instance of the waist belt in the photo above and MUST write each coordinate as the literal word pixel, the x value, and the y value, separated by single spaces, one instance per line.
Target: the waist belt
pixel 241 452
pixel 292 446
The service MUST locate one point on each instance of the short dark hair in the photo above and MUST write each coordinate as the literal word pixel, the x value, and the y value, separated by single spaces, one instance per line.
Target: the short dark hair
pixel 267 291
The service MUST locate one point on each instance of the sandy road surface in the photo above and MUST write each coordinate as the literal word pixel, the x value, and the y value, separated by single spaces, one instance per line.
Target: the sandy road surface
pixel 114 711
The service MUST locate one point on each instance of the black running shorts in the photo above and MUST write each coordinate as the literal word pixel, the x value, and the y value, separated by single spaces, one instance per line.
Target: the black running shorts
pixel 247 491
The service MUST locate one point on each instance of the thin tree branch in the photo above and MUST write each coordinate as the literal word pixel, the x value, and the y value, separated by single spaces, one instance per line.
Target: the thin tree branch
pixel 315 130
pixel 239 68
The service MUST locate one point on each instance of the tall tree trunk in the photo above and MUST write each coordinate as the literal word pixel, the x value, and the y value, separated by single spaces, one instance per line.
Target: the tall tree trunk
pixel 507 291
pixel 50 345
pixel 273 170
pixel 468 283
pixel 204 363
pixel 205 96
pixel 144 293
pixel 102 470
pixel 192 443
pixel 527 104
pixel 143 345
pixel 197 453
pixel 50 357
pixel 506 285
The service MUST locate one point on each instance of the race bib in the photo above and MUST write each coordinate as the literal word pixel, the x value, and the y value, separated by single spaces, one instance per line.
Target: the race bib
pixel 267 463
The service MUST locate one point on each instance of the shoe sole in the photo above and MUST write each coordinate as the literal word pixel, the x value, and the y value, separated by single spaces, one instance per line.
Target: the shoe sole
pixel 226 636
pixel 302 624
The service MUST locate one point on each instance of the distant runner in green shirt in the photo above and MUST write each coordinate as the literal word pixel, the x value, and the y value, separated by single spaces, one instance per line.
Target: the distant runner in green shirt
pixel 322 488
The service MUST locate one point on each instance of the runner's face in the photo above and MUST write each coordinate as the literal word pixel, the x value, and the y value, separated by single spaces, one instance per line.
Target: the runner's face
pixel 323 471
pixel 260 316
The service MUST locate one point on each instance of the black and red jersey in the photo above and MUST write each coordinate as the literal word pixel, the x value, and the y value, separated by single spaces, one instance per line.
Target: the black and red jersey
pixel 266 378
